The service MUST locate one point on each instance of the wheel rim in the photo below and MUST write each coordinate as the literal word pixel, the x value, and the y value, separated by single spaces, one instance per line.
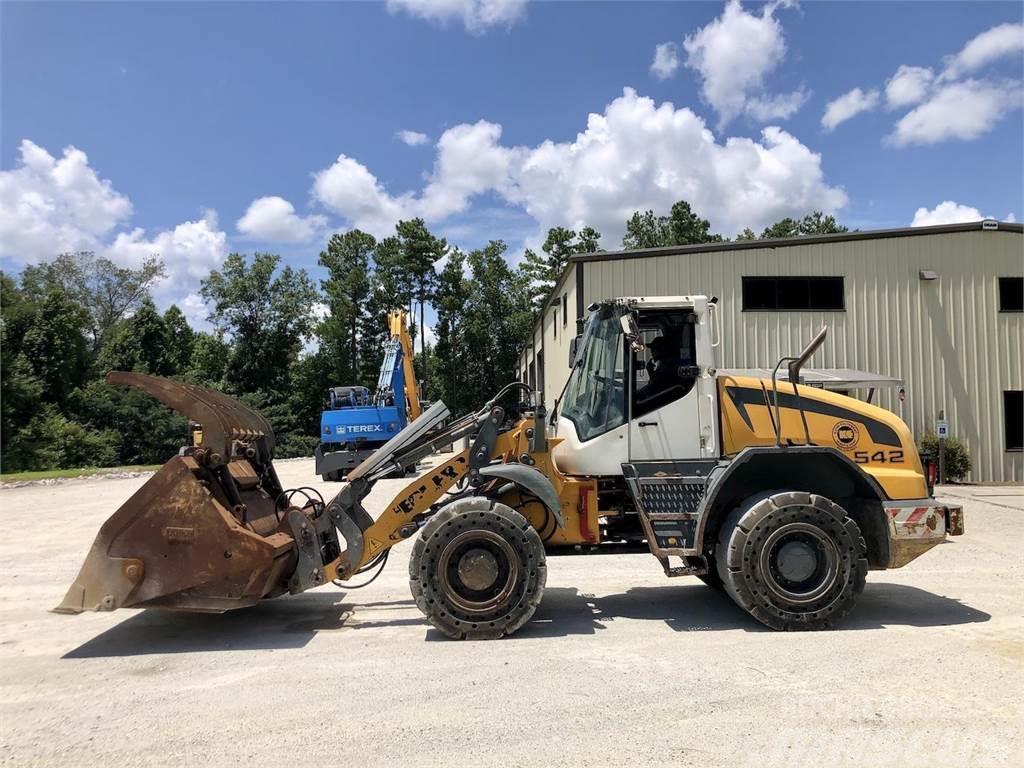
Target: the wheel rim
pixel 800 562
pixel 477 571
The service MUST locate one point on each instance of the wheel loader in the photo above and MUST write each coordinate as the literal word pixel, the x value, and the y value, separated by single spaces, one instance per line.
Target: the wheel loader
pixel 780 495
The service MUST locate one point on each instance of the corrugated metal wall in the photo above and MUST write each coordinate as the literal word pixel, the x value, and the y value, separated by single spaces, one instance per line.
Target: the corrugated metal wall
pixel 946 338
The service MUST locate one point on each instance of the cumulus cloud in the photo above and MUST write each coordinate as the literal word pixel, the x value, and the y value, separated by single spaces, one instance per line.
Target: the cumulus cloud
pixel 666 60
pixel 734 54
pixel 850 104
pixel 50 205
pixel 780 107
pixel 946 212
pixel 908 86
pixel 412 138
pixel 633 156
pixel 963 110
pixel 982 50
pixel 476 15
pixel 274 219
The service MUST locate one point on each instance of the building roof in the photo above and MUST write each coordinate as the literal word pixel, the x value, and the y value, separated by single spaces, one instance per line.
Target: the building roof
pixel 787 242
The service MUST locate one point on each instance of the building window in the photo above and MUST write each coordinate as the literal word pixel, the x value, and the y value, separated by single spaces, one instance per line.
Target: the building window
pixel 1013 418
pixel 554 325
pixel 793 294
pixel 565 309
pixel 1011 294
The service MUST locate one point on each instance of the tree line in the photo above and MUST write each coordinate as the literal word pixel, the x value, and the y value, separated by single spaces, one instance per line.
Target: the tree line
pixel 279 339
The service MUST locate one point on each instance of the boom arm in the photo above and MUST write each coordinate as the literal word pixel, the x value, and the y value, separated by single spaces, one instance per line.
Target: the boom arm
pixel 399 330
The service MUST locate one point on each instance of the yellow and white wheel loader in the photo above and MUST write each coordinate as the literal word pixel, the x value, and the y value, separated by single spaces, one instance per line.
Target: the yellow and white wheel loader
pixel 780 494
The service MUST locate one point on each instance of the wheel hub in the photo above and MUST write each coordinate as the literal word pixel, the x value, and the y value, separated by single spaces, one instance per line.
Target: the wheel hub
pixel 478 569
pixel 799 562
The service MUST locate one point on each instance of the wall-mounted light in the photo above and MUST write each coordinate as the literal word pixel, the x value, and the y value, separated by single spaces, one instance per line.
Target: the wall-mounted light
pixel 928 274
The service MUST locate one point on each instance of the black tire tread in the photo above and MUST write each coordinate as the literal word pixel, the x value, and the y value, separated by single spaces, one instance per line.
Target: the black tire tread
pixel 740 581
pixel 427 598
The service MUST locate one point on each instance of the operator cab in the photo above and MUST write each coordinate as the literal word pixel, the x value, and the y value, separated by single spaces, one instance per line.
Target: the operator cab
pixel 635 391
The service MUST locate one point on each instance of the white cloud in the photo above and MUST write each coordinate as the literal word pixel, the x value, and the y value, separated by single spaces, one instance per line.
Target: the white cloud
pixel 946 212
pixel 963 110
pixel 980 51
pixel 273 219
pixel 476 15
pixel 908 86
pixel 666 60
pixel 49 206
pixel 633 156
pixel 412 138
pixel 734 54
pixel 780 107
pixel 848 105
pixel 189 252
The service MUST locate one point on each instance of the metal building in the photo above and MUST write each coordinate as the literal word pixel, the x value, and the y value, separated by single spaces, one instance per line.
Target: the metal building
pixel 938 307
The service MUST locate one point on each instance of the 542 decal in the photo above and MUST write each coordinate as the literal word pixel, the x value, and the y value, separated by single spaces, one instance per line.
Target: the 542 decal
pixel 878 457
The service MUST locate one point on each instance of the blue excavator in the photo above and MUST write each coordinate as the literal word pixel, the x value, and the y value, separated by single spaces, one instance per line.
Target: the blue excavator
pixel 357 422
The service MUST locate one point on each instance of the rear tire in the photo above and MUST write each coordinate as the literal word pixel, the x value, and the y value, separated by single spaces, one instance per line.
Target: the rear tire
pixel 477 570
pixel 792 560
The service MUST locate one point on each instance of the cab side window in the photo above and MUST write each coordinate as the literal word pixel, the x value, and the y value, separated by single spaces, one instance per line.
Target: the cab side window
pixel 665 370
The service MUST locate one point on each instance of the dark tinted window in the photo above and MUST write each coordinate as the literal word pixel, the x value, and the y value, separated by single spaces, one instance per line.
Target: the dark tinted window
pixel 793 294
pixel 565 308
pixel 1013 414
pixel 1011 294
pixel 660 374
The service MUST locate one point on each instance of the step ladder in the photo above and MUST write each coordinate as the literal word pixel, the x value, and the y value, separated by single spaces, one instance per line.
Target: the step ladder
pixel 668 496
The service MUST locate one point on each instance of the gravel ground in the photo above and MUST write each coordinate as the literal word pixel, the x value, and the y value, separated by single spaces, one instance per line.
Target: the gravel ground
pixel 619 667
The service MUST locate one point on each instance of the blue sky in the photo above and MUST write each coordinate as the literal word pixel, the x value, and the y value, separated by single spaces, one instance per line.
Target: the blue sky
pixel 188 113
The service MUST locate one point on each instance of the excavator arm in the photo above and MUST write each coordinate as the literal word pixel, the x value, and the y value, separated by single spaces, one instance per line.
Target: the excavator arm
pixel 399 330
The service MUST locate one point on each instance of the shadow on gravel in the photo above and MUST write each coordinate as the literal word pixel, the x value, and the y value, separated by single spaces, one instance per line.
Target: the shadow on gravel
pixel 291 622
pixel 283 623
pixel 698 608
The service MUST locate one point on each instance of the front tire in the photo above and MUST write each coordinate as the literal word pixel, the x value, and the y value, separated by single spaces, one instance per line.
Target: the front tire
pixel 792 560
pixel 477 570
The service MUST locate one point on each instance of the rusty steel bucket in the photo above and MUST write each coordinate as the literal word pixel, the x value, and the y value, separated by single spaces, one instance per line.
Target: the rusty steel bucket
pixel 206 532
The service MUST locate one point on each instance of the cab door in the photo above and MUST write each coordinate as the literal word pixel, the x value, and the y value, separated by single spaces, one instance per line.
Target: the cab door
pixel 665 414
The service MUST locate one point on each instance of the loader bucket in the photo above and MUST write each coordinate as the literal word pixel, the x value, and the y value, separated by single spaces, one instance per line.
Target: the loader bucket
pixel 205 532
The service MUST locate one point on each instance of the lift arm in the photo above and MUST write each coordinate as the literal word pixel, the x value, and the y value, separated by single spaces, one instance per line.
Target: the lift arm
pixel 399 329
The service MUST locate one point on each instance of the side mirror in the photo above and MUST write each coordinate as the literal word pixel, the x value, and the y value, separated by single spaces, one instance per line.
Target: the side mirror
pixel 574 344
pixel 632 331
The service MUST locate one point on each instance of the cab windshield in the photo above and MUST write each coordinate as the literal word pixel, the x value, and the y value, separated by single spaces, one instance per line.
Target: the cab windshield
pixel 594 397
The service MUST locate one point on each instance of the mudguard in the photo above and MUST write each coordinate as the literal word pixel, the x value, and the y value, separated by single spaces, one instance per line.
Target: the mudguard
pixel 529 479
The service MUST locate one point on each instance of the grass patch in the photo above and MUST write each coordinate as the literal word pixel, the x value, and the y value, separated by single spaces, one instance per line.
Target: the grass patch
pixel 47 474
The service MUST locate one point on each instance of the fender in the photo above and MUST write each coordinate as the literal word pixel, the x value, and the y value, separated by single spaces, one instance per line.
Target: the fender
pixel 719 478
pixel 531 480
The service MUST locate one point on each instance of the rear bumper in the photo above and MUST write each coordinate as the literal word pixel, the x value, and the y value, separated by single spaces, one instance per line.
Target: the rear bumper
pixel 917 526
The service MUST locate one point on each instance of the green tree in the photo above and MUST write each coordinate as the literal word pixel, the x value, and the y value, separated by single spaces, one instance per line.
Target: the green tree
pixel 180 341
pixel 51 440
pixel 815 223
pixel 107 292
pixel 266 314
pixel 681 227
pixel 542 272
pixel 496 319
pixel 209 360
pixel 747 234
pixel 54 347
pixel 347 290
pixel 453 293
pixel 420 252
pixel 140 343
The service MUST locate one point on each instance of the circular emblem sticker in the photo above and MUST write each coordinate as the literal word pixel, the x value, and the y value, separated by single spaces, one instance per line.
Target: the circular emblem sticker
pixel 846 435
